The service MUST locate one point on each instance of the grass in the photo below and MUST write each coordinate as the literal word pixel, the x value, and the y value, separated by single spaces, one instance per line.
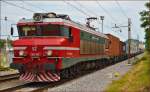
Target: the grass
pixel 136 80
pixel 4 69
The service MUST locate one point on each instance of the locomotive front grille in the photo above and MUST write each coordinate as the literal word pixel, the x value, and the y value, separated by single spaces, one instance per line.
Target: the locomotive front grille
pixel 35 55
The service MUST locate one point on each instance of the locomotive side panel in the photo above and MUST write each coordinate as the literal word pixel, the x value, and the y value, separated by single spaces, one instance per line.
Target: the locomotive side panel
pixel 91 47
pixel 91 44
pixel 73 42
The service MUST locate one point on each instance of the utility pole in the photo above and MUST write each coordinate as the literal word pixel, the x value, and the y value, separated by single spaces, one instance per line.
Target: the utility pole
pixel 6 43
pixel 102 18
pixel 138 42
pixel 129 38
pixel 0 20
pixel 6 18
pixel 149 16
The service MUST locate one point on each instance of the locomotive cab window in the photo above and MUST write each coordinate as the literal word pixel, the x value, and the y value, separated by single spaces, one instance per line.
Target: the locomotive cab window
pixel 65 31
pixel 44 30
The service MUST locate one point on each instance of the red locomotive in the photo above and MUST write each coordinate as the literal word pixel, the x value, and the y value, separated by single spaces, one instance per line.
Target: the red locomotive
pixel 50 44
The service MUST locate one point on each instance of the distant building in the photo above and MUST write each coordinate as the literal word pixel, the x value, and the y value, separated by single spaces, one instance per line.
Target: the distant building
pixel 134 47
pixel 141 46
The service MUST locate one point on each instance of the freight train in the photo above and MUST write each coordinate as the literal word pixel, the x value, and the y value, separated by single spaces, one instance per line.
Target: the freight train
pixel 52 47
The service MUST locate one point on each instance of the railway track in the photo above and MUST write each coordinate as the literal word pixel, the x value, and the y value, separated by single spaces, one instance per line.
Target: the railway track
pixel 11 89
pixel 36 86
pixel 9 77
pixel 40 87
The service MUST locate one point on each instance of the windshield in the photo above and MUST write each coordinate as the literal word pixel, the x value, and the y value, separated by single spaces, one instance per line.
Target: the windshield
pixel 43 30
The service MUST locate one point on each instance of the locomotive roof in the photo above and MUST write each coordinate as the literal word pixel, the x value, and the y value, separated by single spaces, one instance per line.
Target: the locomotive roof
pixel 67 23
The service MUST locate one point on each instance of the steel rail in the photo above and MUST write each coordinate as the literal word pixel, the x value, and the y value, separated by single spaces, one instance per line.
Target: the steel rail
pixel 8 77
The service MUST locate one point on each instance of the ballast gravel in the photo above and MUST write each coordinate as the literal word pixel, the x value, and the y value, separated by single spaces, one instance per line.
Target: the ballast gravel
pixel 96 81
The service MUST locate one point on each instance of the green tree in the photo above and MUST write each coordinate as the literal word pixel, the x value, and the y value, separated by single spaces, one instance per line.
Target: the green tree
pixel 145 18
pixel 1 44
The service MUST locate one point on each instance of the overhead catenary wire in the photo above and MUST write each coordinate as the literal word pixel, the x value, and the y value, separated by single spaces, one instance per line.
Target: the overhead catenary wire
pixel 91 12
pixel 111 17
pixel 12 4
pixel 107 12
pixel 29 4
pixel 81 11
pixel 0 20
pixel 123 12
pixel 15 5
pixel 95 14
pixel 30 10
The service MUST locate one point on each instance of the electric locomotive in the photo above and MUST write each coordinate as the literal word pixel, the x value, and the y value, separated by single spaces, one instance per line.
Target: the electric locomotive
pixel 52 46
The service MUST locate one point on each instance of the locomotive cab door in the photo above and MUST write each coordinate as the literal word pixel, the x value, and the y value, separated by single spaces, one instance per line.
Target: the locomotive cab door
pixel 70 35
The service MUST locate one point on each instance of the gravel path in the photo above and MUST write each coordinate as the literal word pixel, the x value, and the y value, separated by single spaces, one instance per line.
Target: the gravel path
pixel 97 81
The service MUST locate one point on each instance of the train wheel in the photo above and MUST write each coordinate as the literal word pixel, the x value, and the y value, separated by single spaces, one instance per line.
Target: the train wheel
pixel 21 70
pixel 64 74
pixel 79 68
pixel 71 72
pixel 97 64
pixel 88 66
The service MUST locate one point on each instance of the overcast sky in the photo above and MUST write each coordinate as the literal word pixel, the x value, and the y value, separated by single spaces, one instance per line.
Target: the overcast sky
pixel 114 14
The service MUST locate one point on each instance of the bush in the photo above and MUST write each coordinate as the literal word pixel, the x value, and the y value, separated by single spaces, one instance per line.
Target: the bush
pixel 2 43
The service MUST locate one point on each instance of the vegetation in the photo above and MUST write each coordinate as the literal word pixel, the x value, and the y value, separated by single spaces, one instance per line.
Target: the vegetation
pixel 3 62
pixel 145 18
pixel 136 80
pixel 2 43
pixel 3 54
pixel 4 68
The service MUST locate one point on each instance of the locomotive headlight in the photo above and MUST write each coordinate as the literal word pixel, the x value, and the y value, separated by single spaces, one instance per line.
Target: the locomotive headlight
pixel 49 53
pixel 21 53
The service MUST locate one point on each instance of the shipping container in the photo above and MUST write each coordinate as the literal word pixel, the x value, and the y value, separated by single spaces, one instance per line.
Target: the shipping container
pixel 114 46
